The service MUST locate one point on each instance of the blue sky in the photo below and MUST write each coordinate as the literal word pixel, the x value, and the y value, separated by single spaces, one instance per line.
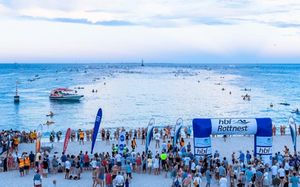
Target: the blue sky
pixel 184 31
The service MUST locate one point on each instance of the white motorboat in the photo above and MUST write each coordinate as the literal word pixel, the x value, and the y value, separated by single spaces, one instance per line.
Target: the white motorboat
pixel 64 94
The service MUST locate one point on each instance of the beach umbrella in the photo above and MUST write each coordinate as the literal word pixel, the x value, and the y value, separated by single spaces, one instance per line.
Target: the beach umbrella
pixel 293 131
pixel 96 128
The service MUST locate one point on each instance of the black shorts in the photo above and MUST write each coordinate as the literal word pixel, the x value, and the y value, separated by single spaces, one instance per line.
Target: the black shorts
pixel 287 172
pixel 26 167
pixel 67 171
pixel 119 164
pixel 21 169
pixel 86 164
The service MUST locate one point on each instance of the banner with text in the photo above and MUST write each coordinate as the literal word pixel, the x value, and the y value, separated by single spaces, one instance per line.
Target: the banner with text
pixel 233 126
pixel 122 142
pixel 261 128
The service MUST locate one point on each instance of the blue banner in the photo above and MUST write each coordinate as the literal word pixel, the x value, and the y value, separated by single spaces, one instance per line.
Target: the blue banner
pixel 293 129
pixel 122 142
pixel 178 126
pixel 149 133
pixel 96 128
pixel 260 127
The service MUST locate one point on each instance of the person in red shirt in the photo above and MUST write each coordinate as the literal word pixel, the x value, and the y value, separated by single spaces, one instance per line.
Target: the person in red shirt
pixel 86 160
pixel 108 180
pixel 105 164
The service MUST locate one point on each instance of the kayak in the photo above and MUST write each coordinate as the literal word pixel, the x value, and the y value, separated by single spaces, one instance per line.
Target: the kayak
pixel 295 112
pixel 285 104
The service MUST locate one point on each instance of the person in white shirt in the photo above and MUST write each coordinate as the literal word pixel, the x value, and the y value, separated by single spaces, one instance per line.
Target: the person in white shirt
pixel 193 167
pixel 68 167
pixel 223 182
pixel 281 173
pixel 94 164
pixel 197 181
pixel 119 180
pixel 119 160
pixel 156 136
pixel 274 170
pixel 287 168
pixel 156 166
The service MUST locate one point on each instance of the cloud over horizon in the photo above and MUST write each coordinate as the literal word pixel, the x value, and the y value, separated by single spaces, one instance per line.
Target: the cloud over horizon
pixel 125 31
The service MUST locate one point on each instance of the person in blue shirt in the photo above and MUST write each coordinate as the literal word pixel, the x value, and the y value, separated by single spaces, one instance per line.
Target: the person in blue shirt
pixel 128 170
pixel 248 157
pixel 294 180
pixel 208 177
pixel 242 157
pixel 222 171
pixel 249 174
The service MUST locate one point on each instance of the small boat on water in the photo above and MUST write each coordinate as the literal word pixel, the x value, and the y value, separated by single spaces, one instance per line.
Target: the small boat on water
pixel 142 64
pixel 64 94
pixel 296 111
pixel 285 104
pixel 16 97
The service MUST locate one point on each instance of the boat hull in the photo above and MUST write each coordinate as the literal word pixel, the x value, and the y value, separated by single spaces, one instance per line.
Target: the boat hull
pixel 67 98
pixel 16 99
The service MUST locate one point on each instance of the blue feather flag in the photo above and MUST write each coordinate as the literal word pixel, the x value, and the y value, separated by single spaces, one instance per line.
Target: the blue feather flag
pixel 178 127
pixel 293 131
pixel 149 133
pixel 96 128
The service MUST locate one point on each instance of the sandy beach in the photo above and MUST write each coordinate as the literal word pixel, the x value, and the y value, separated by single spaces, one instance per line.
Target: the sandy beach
pixel 232 144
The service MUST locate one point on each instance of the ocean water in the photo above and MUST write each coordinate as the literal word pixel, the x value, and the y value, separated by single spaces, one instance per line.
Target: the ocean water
pixel 130 95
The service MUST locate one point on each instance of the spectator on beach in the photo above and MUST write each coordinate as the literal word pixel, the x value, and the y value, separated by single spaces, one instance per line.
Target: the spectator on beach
pixel 133 143
pixel 179 162
pixel 119 180
pixel 81 137
pixel 67 168
pixel 143 136
pixel 21 163
pixel 37 179
pixel 157 137
pixel 294 180
pixel 45 167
